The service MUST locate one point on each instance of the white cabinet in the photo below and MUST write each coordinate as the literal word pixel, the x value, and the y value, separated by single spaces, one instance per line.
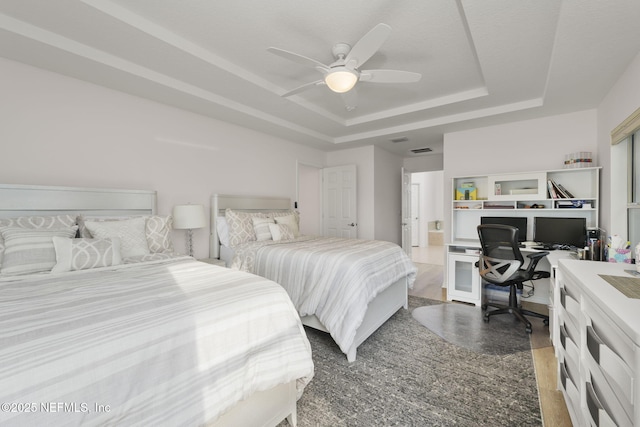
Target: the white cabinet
pixel 598 345
pixel 463 279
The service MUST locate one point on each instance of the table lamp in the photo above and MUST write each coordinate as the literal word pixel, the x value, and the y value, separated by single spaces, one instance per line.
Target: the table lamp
pixel 189 217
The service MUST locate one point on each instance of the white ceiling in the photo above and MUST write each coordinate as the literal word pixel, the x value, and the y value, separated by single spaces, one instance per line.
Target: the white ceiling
pixel 483 62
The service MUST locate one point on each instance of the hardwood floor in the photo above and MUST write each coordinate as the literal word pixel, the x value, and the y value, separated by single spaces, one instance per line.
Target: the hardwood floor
pixel 428 284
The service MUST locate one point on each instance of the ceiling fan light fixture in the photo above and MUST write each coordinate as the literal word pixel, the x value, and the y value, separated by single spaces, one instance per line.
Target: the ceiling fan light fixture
pixel 341 79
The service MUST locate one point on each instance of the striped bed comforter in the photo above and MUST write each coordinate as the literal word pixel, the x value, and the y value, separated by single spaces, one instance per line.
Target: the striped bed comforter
pixel 331 277
pixel 171 343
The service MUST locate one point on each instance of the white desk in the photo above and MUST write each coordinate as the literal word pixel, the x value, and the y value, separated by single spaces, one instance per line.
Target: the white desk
pixel 463 282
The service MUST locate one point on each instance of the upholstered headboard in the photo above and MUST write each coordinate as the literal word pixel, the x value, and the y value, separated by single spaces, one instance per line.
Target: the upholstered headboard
pixel 27 200
pixel 220 202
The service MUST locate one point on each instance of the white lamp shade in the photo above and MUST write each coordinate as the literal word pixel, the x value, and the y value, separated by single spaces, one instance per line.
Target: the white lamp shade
pixel 189 217
pixel 341 79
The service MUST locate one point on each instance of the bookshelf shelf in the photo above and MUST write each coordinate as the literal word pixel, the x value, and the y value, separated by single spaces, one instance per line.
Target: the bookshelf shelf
pixel 525 195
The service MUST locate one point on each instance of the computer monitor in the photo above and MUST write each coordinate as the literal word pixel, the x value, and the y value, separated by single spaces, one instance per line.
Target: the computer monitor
pixel 560 231
pixel 518 222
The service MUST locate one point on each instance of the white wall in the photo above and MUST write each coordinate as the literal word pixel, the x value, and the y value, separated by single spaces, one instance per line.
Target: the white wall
pixel 430 162
pixel 310 199
pixel 388 196
pixel 61 131
pixel 622 100
pixel 531 145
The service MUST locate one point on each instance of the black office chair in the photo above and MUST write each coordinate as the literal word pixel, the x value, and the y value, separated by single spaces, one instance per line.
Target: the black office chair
pixel 501 263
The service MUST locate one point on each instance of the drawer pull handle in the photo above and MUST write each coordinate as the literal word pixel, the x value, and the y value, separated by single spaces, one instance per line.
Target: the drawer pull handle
pixel 598 413
pixel 610 363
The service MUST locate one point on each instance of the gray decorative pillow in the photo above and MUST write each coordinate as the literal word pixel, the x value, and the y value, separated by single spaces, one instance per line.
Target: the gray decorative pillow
pixel 81 254
pixel 261 228
pixel 35 222
pixel 241 226
pixel 158 229
pixel 131 232
pixel 31 250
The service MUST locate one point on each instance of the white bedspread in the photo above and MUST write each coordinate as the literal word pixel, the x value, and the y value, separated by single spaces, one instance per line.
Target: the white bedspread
pixel 171 343
pixel 333 278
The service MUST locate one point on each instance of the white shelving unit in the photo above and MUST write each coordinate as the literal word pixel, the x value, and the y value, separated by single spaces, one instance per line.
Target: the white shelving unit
pixel 514 195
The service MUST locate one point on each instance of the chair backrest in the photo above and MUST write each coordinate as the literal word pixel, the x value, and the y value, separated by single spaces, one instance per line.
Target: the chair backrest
pixel 500 255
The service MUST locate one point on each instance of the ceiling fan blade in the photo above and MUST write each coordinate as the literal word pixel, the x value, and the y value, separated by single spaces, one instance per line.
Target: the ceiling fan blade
pixel 389 76
pixel 350 99
pixel 299 59
pixel 303 88
pixel 368 45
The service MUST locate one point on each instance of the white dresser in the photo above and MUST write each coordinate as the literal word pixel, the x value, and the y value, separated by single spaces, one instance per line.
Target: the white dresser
pixel 598 344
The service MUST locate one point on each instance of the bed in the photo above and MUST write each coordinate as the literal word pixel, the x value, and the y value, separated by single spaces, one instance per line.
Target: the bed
pixel 346 287
pixel 137 339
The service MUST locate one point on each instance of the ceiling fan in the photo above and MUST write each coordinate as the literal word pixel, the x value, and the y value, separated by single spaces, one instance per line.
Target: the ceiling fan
pixel 342 75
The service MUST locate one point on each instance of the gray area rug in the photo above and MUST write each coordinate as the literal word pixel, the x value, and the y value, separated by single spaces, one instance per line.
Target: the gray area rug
pixel 406 375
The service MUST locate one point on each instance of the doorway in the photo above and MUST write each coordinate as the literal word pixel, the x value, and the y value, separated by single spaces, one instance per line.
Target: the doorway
pixel 428 248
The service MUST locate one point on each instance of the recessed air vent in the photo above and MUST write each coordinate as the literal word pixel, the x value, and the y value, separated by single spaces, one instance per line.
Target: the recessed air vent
pixel 421 150
pixel 400 139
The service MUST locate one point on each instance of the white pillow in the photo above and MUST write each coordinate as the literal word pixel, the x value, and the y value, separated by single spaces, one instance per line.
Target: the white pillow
pixel 223 231
pixel 291 221
pixel 261 227
pixel 31 250
pixel 280 232
pixel 157 228
pixel 131 232
pixel 81 254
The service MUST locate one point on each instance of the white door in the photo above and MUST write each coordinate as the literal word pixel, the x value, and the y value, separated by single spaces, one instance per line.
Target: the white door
pixel 339 201
pixel 415 214
pixel 406 212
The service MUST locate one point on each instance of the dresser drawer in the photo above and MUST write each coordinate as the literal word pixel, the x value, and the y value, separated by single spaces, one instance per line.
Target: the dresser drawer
pixel 570 306
pixel 570 350
pixel 568 381
pixel 602 407
pixel 614 370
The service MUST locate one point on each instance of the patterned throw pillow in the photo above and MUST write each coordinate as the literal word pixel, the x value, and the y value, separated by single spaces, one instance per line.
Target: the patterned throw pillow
pixel 281 232
pixel 31 250
pixel 81 254
pixel 35 222
pixel 261 228
pixel 131 232
pixel 158 230
pixel 241 226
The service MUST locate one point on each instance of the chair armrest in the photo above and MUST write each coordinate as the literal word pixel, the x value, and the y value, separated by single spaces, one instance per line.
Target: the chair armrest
pixel 535 258
pixel 537 255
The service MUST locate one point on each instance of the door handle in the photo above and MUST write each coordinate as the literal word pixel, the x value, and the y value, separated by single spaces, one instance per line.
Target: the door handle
pixel 352 224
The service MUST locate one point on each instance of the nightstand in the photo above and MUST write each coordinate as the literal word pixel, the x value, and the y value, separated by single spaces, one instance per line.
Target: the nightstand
pixel 214 261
